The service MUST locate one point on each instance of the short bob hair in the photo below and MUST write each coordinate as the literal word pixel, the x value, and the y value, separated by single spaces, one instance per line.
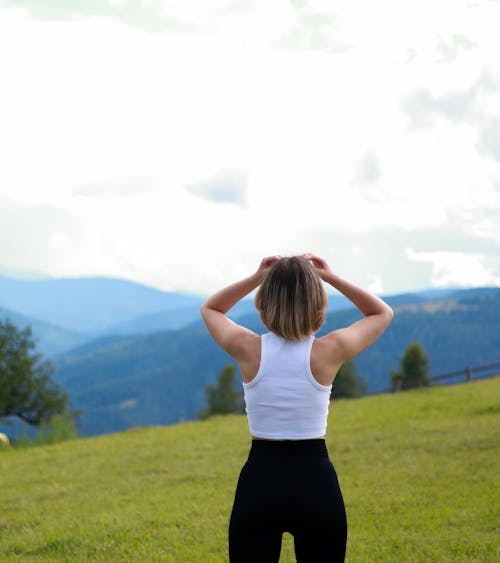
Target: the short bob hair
pixel 291 299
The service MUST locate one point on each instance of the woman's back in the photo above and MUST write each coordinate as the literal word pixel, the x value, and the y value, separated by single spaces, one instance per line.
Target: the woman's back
pixel 284 401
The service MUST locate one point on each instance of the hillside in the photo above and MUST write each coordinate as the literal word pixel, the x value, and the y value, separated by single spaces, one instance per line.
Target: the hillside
pixel 418 474
pixel 160 378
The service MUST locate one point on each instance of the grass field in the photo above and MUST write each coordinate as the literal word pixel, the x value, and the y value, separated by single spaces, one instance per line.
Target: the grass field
pixel 419 472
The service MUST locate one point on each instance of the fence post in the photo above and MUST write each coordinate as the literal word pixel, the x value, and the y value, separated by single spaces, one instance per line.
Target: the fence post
pixel 468 373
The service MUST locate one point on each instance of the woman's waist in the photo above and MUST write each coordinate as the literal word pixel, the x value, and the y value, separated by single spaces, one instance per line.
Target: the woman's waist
pixel 287 439
pixel 288 450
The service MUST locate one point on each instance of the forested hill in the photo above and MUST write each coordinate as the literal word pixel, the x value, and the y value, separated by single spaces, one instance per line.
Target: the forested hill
pixel 160 378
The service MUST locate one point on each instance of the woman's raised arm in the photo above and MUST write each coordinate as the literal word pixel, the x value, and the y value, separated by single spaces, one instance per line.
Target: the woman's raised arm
pixel 350 341
pixel 229 335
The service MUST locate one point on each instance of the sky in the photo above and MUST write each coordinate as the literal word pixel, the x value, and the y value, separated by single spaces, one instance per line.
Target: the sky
pixel 175 143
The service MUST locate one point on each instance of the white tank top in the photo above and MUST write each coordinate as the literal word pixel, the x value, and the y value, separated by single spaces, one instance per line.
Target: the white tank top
pixel 284 401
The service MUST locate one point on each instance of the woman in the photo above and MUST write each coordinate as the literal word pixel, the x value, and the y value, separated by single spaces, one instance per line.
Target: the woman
pixel 288 483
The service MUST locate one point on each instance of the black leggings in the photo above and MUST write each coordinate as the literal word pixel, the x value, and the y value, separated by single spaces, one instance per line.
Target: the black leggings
pixel 288 486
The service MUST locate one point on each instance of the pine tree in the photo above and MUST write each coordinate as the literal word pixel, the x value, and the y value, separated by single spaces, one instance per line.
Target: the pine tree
pixel 224 397
pixel 348 383
pixel 413 369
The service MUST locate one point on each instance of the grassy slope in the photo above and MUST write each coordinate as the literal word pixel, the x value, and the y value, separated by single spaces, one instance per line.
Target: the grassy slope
pixel 417 472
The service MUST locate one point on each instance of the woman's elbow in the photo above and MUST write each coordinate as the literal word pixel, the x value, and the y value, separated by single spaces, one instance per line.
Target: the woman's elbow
pixel 388 315
pixel 203 310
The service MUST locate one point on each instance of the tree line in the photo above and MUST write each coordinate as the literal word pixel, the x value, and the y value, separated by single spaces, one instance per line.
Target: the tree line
pixel 225 397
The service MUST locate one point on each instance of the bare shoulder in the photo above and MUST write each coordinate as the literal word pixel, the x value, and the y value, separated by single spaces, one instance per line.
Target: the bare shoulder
pixel 238 341
pixel 326 359
pixel 246 343
pixel 328 347
pixel 248 354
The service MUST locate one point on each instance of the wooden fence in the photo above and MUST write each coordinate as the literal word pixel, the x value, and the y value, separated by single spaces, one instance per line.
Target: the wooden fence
pixel 468 371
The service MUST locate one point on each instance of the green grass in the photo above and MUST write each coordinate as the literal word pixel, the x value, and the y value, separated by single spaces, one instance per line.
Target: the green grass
pixel 419 473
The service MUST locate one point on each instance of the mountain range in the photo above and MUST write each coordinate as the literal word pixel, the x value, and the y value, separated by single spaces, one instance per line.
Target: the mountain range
pixel 130 355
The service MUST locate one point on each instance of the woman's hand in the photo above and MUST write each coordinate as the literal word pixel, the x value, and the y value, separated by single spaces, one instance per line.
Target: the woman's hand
pixel 265 265
pixel 320 264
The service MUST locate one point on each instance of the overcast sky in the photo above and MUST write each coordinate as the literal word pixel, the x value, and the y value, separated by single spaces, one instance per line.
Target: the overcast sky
pixel 176 142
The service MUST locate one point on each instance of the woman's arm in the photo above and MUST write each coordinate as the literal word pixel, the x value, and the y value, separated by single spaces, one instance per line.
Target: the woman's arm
pixel 349 342
pixel 229 335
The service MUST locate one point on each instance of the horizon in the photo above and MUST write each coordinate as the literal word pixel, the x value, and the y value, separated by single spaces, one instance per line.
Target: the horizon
pixel 31 276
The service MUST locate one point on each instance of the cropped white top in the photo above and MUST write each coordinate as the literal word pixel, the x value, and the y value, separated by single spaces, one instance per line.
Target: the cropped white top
pixel 284 401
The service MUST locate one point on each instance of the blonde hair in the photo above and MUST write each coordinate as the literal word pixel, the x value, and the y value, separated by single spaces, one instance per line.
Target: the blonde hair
pixel 291 299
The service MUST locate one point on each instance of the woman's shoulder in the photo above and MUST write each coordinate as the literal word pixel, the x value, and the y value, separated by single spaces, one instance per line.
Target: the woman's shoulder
pixel 249 355
pixel 324 361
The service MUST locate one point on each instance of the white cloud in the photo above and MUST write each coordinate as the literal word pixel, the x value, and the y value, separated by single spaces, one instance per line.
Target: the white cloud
pixel 451 269
pixel 227 186
pixel 376 284
pixel 106 126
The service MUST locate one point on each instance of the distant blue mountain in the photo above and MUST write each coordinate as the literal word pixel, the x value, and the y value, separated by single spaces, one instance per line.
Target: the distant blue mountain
pixel 172 319
pixel 79 308
pixel 50 339
pixel 87 305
